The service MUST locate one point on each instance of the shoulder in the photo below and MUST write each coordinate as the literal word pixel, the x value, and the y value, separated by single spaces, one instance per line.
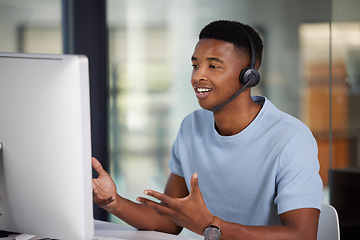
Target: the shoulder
pixel 199 114
pixel 282 120
pixel 279 130
pixel 197 118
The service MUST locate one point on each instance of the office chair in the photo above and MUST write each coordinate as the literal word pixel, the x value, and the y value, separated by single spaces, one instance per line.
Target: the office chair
pixel 328 228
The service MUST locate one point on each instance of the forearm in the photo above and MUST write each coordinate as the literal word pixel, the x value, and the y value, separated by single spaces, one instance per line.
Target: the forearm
pixel 239 232
pixel 236 231
pixel 298 224
pixel 142 217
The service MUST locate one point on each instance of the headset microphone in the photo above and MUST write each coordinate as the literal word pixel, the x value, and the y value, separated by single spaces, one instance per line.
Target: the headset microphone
pixel 237 94
pixel 249 76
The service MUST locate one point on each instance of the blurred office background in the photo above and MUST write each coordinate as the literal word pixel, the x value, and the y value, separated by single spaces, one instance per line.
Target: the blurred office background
pixel 140 51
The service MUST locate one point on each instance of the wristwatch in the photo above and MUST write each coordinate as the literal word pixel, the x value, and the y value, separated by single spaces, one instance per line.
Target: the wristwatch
pixel 212 232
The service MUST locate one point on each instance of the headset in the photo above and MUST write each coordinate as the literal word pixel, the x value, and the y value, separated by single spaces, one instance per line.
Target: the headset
pixel 249 76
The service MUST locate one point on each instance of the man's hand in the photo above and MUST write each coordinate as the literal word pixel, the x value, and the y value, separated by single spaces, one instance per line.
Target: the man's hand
pixel 104 188
pixel 189 212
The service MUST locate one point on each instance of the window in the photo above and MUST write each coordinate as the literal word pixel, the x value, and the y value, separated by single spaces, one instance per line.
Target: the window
pixel 32 26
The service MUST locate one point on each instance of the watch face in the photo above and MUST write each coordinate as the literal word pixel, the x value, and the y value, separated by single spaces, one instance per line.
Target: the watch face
pixel 212 233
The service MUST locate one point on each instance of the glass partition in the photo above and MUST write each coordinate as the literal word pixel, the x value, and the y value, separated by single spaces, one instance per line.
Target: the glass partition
pixel 31 26
pixel 345 99
pixel 346 73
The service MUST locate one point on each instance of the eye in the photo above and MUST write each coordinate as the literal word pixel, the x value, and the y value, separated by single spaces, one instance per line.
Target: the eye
pixel 195 66
pixel 213 66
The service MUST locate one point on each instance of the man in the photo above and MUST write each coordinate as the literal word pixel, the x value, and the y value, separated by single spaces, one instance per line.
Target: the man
pixel 240 168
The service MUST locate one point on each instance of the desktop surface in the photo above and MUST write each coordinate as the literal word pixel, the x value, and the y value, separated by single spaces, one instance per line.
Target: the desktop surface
pixel 107 230
pixel 112 231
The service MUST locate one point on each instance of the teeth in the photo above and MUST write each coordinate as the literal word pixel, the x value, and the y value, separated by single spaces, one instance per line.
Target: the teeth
pixel 203 90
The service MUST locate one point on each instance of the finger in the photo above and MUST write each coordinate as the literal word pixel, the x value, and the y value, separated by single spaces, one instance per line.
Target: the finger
pixel 160 208
pixel 103 202
pixel 97 166
pixel 160 196
pixel 94 186
pixel 194 184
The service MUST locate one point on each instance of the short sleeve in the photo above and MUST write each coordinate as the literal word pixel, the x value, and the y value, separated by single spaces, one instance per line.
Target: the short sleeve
pixel 298 183
pixel 174 163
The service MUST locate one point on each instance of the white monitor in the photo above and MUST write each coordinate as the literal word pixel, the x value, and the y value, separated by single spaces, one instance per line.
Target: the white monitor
pixel 45 160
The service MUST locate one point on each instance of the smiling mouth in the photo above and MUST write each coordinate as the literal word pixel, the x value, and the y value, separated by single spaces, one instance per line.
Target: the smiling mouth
pixel 203 90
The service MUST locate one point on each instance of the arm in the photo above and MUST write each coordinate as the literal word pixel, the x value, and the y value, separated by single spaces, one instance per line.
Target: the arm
pixel 137 215
pixel 296 224
pixel 191 212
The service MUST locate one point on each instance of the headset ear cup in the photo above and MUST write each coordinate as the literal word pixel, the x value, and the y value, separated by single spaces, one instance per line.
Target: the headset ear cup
pixel 250 74
pixel 242 73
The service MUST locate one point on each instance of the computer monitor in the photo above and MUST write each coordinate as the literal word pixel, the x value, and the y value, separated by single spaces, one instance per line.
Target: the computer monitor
pixel 45 156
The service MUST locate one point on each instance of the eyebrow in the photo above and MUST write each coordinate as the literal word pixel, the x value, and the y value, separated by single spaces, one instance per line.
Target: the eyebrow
pixel 209 59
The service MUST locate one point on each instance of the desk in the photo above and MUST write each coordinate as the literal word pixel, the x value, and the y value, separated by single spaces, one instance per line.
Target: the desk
pixel 114 232
pixel 107 229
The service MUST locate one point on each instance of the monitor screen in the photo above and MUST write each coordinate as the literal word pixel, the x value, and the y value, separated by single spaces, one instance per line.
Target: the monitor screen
pixel 45 155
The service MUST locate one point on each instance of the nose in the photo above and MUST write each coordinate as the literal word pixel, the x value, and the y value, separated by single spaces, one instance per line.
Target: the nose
pixel 198 74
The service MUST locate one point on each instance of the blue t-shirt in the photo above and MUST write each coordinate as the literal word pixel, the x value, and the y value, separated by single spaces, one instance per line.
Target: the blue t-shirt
pixel 269 168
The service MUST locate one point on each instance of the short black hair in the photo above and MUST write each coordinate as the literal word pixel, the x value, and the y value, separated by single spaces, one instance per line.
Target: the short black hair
pixel 236 33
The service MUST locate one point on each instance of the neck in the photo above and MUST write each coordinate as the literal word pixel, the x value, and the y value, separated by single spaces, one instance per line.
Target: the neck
pixel 236 116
